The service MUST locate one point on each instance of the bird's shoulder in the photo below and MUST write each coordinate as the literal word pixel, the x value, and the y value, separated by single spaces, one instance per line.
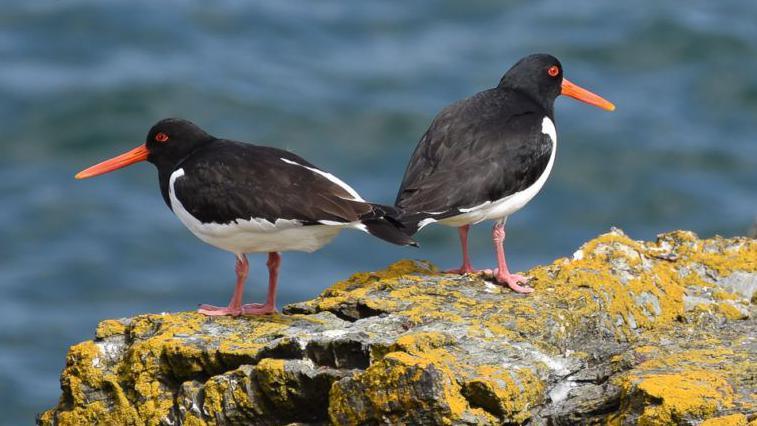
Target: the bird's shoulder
pixel 489 116
pixel 241 154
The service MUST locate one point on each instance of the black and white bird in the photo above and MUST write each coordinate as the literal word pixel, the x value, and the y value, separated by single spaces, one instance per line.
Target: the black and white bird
pixel 244 198
pixel 486 156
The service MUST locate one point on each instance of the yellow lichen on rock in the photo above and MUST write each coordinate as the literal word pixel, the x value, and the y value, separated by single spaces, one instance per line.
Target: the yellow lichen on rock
pixel 272 378
pixel 109 328
pixel 144 367
pixel 393 388
pixel 731 420
pixel 693 383
pixel 156 339
pixel 612 270
pixel 731 312
pixel 80 375
pixel 623 331
pixel 403 269
pixel 508 393
pixel 352 290
pixel 422 342
pixel 724 260
pixel 677 396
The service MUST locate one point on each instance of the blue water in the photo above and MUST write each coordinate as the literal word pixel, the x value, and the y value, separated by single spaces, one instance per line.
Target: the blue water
pixel 351 86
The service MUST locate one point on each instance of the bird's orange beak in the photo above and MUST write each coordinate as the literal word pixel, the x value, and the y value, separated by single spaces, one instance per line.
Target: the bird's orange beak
pixel 577 92
pixel 127 158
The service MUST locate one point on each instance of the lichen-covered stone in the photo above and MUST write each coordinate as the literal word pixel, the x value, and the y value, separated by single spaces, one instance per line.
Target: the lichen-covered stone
pixel 623 332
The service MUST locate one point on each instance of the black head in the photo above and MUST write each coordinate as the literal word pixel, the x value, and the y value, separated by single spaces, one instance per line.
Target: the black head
pixel 168 142
pixel 540 77
pixel 172 139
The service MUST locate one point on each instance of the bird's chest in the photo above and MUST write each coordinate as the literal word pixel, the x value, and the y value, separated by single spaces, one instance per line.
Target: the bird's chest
pixel 523 167
pixel 538 163
pixel 519 184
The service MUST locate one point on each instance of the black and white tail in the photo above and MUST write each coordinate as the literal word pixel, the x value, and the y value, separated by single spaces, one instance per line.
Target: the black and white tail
pixel 382 222
pixel 413 222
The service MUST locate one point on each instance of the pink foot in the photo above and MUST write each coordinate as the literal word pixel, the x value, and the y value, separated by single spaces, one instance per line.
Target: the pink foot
pixel 511 280
pixel 211 310
pixel 258 309
pixel 465 269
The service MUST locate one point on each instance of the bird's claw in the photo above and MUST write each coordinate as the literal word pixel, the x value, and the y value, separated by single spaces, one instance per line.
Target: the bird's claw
pixel 512 280
pixel 465 269
pixel 211 310
pixel 258 309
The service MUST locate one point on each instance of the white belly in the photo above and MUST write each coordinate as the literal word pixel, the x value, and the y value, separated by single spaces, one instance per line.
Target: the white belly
pixel 504 207
pixel 239 238
pixel 257 234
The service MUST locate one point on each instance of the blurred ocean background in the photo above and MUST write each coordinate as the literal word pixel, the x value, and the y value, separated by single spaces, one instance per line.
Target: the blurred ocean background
pixel 350 86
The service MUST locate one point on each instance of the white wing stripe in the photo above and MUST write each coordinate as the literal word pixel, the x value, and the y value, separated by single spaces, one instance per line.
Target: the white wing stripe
pixel 332 178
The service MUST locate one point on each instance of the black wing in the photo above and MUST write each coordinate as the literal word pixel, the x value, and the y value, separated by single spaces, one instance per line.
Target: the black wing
pixel 227 180
pixel 480 149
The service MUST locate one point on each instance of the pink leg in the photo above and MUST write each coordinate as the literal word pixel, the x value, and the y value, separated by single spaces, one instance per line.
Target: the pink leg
pixel 235 305
pixel 502 275
pixel 274 260
pixel 466 268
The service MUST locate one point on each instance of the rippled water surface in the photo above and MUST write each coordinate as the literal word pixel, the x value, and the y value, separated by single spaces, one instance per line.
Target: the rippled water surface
pixel 350 86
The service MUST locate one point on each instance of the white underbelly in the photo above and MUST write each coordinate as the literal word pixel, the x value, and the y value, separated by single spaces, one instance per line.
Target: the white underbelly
pixel 496 210
pixel 239 238
pixel 257 234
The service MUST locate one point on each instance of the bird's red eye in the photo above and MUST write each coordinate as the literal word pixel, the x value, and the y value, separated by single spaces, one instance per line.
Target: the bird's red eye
pixel 161 137
pixel 553 71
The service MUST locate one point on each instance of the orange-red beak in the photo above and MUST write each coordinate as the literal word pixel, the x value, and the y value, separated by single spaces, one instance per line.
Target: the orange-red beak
pixel 127 158
pixel 577 92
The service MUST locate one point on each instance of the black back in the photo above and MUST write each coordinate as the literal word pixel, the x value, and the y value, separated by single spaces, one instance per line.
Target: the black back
pixel 226 180
pixel 485 147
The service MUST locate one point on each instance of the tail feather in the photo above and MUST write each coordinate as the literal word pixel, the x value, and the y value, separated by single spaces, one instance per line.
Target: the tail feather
pixel 383 223
pixel 413 222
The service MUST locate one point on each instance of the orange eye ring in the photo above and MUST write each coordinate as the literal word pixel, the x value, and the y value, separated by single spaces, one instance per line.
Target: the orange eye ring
pixel 161 137
pixel 553 71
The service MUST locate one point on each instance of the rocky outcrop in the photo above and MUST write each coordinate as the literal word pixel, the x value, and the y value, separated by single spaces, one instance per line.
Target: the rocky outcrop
pixel 624 332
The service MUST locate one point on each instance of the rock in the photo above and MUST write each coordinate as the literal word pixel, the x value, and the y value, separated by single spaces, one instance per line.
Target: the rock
pixel 625 332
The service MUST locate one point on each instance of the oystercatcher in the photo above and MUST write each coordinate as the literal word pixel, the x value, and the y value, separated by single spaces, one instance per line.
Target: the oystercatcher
pixel 245 198
pixel 486 156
